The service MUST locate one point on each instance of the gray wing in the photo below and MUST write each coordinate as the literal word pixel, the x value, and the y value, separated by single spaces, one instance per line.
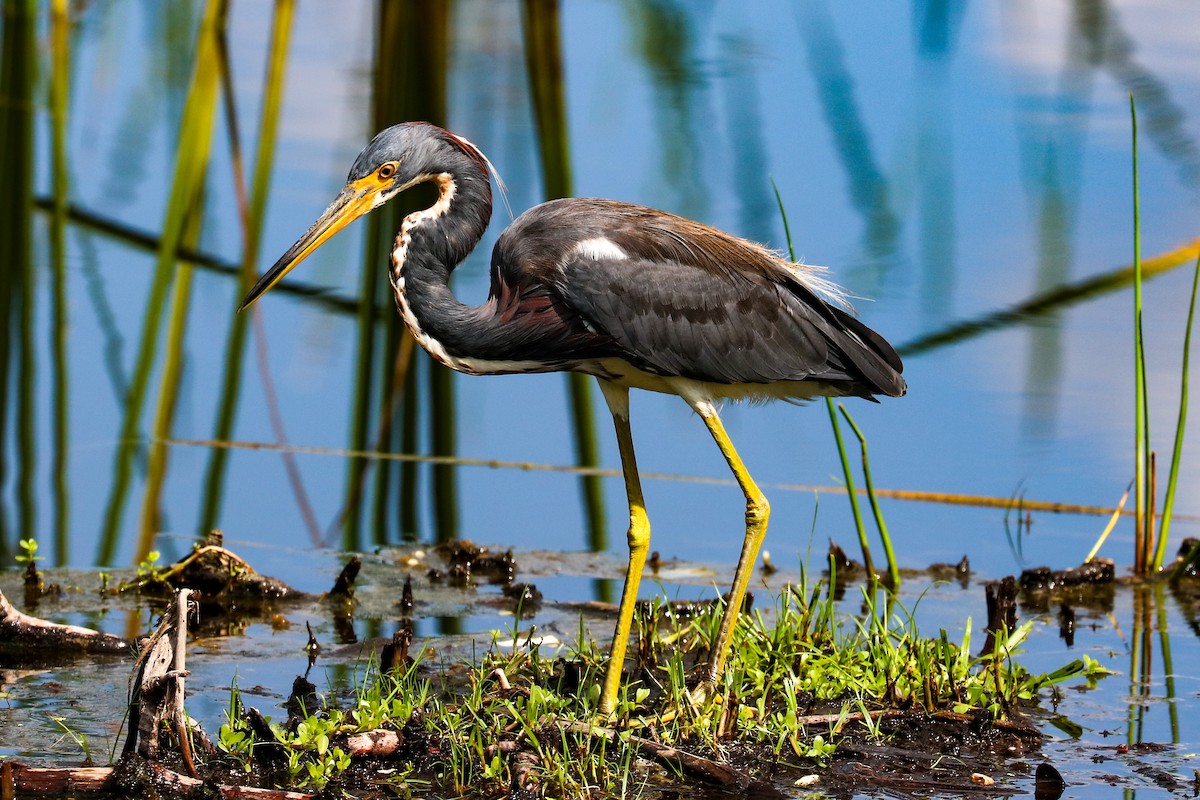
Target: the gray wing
pixel 676 319
pixel 676 297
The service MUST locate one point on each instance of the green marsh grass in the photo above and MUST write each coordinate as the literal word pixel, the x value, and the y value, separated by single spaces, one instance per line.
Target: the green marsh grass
pixel 847 473
pixel 1143 500
pixel 893 569
pixel 168 390
pixel 1150 542
pixel 410 68
pixel 848 476
pixel 371 289
pixel 1180 427
pixel 803 676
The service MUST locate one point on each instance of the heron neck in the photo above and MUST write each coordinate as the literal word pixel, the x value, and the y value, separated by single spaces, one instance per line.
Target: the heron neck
pixel 431 243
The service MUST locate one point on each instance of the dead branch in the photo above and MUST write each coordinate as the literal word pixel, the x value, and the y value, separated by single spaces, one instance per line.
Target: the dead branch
pixel 157 687
pixel 699 766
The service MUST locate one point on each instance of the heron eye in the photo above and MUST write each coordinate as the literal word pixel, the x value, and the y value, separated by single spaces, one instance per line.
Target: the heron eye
pixel 387 171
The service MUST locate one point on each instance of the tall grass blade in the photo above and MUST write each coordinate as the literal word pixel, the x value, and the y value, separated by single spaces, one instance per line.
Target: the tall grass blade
pixel 379 343
pixel 195 133
pixel 1160 550
pixel 1141 422
pixel 1112 523
pixel 859 526
pixel 893 568
pixel 837 432
pixel 26 418
pixel 1148 541
pixel 411 55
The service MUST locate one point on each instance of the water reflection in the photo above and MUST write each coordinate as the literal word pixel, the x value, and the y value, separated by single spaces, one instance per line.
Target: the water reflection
pixel 893 156
pixel 17 370
pixel 936 30
pixel 543 59
pixel 867 184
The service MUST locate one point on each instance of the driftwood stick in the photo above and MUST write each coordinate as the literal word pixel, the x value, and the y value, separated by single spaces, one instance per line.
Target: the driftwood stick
pixel 157 687
pixel 94 780
pixel 178 715
pixel 184 785
pixel 54 780
pixel 1001 723
pixel 697 765
pixel 31 633
pixel 857 716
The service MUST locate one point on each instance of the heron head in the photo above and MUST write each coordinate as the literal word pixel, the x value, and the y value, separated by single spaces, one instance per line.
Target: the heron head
pixel 396 159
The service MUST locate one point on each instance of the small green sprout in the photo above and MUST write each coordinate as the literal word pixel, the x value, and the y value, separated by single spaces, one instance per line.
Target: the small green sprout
pixel 149 569
pixel 28 556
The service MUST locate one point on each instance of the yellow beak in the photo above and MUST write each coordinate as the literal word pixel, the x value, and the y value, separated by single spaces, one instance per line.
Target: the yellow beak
pixel 356 199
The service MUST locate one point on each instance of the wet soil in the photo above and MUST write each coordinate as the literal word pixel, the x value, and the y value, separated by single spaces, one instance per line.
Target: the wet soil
pixel 263 647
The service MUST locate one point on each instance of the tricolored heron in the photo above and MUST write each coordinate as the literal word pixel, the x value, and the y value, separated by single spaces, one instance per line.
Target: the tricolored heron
pixel 633 296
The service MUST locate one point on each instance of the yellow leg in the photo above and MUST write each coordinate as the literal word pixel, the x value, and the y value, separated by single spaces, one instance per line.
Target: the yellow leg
pixel 639 543
pixel 758 511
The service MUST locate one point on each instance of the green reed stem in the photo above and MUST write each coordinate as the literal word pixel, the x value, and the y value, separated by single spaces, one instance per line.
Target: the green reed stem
pixel 1160 549
pixel 27 381
pixel 1141 420
pixel 195 140
pixel 848 474
pixel 18 71
pixel 893 568
pixel 168 394
pixel 841 445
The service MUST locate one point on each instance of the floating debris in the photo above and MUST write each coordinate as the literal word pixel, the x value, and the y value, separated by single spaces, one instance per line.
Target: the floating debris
pixel 1096 571
pixel 30 640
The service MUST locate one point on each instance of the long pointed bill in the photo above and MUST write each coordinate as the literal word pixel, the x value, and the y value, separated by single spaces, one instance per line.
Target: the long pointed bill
pixel 355 200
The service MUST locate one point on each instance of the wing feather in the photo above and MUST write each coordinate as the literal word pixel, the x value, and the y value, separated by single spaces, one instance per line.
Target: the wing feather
pixel 675 297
